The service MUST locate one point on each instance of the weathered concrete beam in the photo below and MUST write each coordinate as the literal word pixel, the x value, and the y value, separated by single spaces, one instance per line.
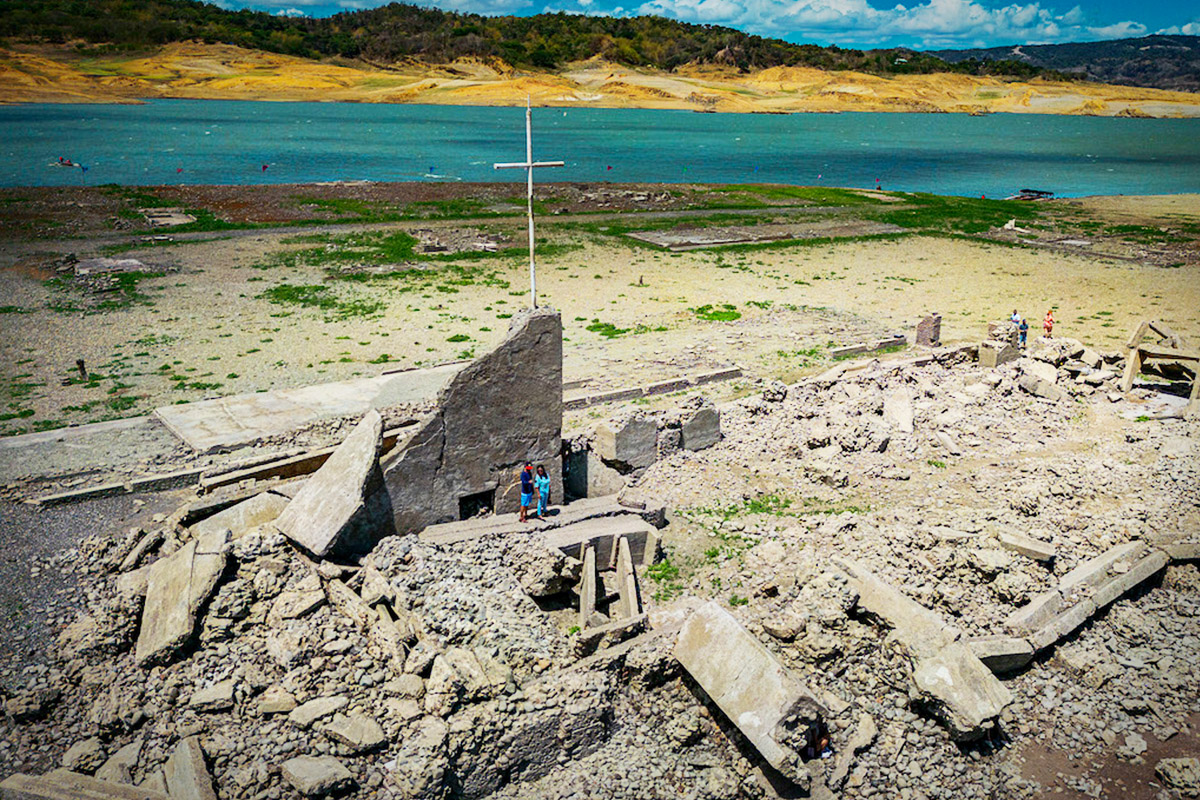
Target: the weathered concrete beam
pixel 177 586
pixel 187 773
pixel 766 701
pixel 1140 572
pixel 1094 571
pixel 629 603
pixel 588 586
pixel 603 534
pixel 1027 546
pixel 1037 612
pixel 63 785
pixel 921 630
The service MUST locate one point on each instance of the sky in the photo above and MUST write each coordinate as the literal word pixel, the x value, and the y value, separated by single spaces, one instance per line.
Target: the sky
pixel 919 24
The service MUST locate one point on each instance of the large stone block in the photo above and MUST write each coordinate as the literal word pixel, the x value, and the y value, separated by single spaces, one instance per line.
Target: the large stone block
pixel 922 631
pixel 898 410
pixel 176 588
pixel 330 513
pixel 1062 625
pixel 502 410
pixel 701 428
pixel 631 443
pixel 767 703
pixel 960 691
pixel 1040 388
pixel 929 331
pixel 995 354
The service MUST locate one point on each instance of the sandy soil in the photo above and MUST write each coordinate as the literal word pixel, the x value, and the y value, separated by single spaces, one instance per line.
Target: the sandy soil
pixel 191 70
pixel 204 328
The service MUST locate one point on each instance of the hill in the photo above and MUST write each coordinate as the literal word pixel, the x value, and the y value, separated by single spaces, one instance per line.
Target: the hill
pixel 1163 62
pixel 395 33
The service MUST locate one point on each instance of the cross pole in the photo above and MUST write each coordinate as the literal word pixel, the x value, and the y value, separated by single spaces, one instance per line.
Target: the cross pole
pixel 528 165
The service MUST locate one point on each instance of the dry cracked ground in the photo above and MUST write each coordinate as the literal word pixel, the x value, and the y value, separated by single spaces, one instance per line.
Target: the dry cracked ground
pixel 919 469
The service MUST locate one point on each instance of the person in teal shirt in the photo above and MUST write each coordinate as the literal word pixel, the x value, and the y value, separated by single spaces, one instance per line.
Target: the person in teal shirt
pixel 542 482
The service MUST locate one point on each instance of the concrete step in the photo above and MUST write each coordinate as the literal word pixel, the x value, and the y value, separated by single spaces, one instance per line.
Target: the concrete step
pixel 561 516
pixel 63 785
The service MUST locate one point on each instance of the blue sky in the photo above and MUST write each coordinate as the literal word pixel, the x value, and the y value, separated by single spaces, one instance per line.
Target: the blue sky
pixel 921 24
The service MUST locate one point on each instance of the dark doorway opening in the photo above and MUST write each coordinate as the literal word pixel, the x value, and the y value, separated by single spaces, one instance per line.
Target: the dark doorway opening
pixel 471 505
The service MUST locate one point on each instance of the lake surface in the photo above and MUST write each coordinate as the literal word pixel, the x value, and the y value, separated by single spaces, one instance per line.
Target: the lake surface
pixel 228 142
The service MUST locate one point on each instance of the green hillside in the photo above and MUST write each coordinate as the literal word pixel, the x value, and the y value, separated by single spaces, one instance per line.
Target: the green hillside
pixel 397 32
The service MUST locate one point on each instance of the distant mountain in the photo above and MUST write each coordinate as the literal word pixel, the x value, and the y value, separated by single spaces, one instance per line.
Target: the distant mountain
pixel 400 32
pixel 1162 62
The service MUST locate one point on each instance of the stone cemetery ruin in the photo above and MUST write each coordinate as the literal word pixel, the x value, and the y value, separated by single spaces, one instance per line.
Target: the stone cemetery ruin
pixel 382 625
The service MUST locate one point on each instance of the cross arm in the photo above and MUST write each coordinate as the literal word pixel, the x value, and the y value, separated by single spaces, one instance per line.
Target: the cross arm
pixel 527 165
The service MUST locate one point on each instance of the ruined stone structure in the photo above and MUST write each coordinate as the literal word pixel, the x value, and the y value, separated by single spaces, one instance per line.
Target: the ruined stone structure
pixel 499 412
pixel 929 331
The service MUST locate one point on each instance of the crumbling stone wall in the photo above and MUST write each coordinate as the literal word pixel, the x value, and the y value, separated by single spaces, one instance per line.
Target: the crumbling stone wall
pixel 499 412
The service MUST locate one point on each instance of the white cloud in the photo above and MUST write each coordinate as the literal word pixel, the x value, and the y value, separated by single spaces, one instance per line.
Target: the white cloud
pixel 1190 29
pixel 934 23
pixel 290 12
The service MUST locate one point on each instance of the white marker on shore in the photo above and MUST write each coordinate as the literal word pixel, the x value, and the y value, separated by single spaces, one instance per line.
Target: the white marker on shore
pixel 528 165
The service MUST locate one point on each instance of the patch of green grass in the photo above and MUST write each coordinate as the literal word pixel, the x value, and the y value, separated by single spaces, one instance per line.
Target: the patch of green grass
pixel 725 313
pixel 321 297
pixel 666 575
pixel 458 337
pixel 936 464
pixel 735 600
pixel 945 214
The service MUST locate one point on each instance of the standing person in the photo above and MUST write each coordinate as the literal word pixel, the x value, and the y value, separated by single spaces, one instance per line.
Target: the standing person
pixel 542 482
pixel 1024 329
pixel 1048 322
pixel 526 490
pixel 1016 318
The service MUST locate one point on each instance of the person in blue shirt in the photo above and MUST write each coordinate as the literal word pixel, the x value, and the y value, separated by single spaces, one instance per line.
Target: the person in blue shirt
pixel 526 490
pixel 542 482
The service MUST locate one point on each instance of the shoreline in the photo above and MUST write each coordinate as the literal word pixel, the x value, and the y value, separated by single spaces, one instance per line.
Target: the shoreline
pixel 191 71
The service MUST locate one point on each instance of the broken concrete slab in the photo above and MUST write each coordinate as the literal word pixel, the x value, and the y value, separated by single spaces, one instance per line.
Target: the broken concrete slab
pixel 468 453
pixel 120 766
pixel 177 587
pixel 357 732
pixel 313 776
pixel 187 773
pixel 332 512
pixel 627 443
pixel 1040 388
pixel 1027 546
pixel 239 518
pixel 307 713
pixel 701 428
pixel 766 701
pixel 275 700
pixel 602 534
pixel 588 476
pixel 63 785
pixel 588 588
pixel 1000 653
pixel 218 697
pixel 960 691
pixel 898 410
pixel 864 734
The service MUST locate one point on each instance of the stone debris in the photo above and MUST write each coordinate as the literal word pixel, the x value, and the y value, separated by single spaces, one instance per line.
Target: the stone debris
pixel 874 599
pixel 1180 774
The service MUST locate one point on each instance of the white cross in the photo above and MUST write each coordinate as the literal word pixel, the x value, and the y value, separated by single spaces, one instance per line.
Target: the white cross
pixel 528 165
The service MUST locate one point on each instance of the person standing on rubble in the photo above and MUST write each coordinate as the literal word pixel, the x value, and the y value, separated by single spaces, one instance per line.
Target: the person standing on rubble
pixel 1023 328
pixel 1048 322
pixel 526 490
pixel 542 482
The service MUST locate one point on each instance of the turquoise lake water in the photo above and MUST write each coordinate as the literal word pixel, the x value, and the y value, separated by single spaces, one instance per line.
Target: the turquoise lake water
pixel 228 142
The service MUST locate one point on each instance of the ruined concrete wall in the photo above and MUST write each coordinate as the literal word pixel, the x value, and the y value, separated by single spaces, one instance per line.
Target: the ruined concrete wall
pixel 499 412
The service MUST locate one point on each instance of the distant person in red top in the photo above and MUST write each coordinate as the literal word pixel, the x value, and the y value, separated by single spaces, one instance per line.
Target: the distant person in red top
pixel 1048 322
pixel 264 167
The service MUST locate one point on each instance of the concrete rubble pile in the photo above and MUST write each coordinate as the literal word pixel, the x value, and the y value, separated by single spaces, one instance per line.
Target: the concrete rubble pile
pixel 293 641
